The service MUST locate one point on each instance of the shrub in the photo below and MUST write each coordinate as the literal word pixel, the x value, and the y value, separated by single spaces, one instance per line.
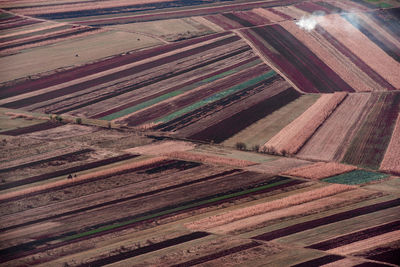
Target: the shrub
pixel 255 147
pixel 240 146
pixel 78 121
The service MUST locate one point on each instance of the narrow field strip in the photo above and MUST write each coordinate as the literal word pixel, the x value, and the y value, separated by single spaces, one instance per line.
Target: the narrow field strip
pixel 147 249
pixel 320 170
pixel 217 255
pixel 81 179
pixel 327 220
pixel 357 236
pixel 211 159
pixel 46 176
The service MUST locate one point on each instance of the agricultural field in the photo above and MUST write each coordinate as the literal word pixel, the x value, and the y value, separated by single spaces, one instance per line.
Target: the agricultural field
pixel 210 133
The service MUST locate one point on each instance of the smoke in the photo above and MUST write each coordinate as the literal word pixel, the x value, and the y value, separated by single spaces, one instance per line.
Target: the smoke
pixel 308 23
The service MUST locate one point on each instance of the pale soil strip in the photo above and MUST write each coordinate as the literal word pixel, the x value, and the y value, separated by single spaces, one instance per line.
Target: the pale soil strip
pixel 291 11
pixel 87 176
pixel 82 6
pixel 291 138
pixel 44 35
pixel 326 56
pixel 365 49
pixel 297 199
pixel 268 14
pixel 208 24
pixel 324 144
pixel 6 52
pixel 277 166
pixel 211 159
pixel 367 243
pixel 391 160
pixel 107 72
pixel 265 59
pixel 162 148
pixel 43 26
pixel 305 208
pixel 320 170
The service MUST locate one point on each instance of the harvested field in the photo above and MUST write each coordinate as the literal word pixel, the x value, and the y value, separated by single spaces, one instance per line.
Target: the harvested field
pixel 329 140
pixel 264 129
pixel 291 138
pixel 162 148
pixel 391 160
pixel 320 170
pixel 370 143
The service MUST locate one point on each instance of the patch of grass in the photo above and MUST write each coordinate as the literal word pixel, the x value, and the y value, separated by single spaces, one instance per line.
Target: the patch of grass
pixel 355 177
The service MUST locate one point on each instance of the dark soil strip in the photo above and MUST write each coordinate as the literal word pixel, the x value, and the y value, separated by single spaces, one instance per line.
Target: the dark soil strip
pixel 147 249
pixel 147 83
pixel 79 72
pixel 68 171
pixel 60 157
pixel 354 58
pixel 327 220
pixel 375 37
pixel 217 255
pixel 85 181
pixel 239 20
pixel 229 127
pixel 391 256
pixel 320 261
pixel 179 165
pixel 33 128
pixel 357 236
pixel 57 36
pixel 297 54
pixel 113 76
pixel 112 202
pixel 369 145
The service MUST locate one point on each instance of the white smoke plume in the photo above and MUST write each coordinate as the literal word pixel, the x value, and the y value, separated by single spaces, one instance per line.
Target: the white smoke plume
pixel 308 23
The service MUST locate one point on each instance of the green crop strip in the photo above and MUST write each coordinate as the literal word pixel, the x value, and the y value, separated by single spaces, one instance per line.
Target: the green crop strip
pixel 156 100
pixel 355 177
pixel 161 213
pixel 217 96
